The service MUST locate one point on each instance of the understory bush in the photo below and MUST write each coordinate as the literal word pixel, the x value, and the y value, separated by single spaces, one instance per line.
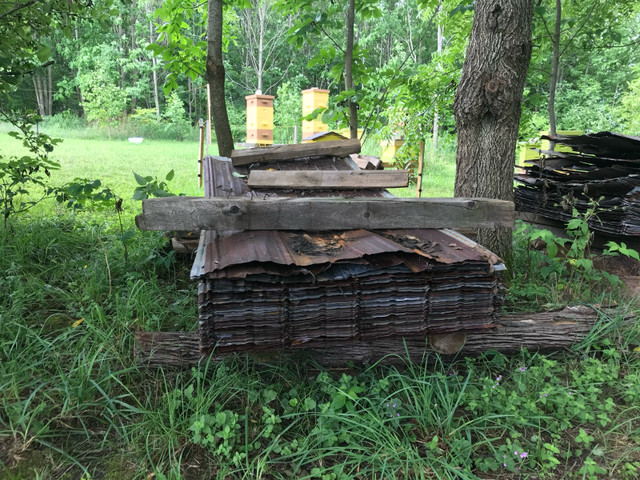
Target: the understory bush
pixel 550 270
pixel 143 123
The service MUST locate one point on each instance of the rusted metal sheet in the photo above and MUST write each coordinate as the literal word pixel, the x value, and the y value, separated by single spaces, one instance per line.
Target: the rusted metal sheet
pixel 605 170
pixel 276 289
pixel 601 144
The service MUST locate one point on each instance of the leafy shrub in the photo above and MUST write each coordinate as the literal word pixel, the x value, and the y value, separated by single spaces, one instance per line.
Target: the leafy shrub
pixel 551 270
pixel 19 175
pixel 65 121
pixel 175 118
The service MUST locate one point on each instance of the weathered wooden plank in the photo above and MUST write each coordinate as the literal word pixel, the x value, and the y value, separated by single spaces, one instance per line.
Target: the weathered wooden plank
pixel 545 331
pixel 331 179
pixel 322 214
pixel 367 162
pixel 336 148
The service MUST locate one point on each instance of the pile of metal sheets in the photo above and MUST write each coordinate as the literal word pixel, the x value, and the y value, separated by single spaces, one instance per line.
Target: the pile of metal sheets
pixel 271 290
pixel 604 172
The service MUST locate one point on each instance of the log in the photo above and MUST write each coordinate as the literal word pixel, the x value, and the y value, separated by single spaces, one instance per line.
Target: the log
pixel 335 148
pixel 328 180
pixel 545 331
pixel 322 214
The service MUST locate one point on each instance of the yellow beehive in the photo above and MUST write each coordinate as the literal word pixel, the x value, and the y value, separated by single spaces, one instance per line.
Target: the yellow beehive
pixel 347 132
pixel 260 119
pixel 526 153
pixel 323 137
pixel 312 99
pixel 389 150
pixel 559 148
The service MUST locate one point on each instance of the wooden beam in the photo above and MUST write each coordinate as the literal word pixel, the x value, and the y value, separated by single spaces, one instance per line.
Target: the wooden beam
pixel 336 148
pixel 545 331
pixel 322 214
pixel 328 180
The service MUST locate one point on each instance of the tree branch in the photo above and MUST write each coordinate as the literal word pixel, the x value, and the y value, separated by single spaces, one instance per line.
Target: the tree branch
pixel 17 8
pixel 386 89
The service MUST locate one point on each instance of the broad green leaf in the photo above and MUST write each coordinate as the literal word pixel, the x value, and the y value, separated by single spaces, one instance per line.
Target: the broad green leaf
pixel 140 179
pixel 43 53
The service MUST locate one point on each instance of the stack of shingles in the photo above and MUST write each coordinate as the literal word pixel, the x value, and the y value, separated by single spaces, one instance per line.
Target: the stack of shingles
pixel 604 169
pixel 275 289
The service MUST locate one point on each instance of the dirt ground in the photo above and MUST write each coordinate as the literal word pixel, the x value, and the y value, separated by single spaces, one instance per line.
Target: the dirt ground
pixel 628 269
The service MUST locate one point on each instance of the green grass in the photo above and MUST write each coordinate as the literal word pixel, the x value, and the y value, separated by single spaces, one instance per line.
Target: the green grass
pixel 74 404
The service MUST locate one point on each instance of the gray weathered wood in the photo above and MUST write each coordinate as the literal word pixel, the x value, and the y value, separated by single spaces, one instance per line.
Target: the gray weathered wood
pixel 367 162
pixel 330 179
pixel 545 331
pixel 322 214
pixel 336 148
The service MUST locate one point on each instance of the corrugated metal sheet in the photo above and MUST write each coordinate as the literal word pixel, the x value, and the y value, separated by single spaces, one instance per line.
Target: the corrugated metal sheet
pixel 605 169
pixel 276 289
pixel 602 144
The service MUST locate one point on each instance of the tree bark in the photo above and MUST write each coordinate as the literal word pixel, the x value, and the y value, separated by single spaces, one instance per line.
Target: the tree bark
pixel 546 331
pixel 348 69
pixel 49 96
pixel 154 73
pixel 436 117
pixel 215 78
pixel 553 82
pixel 38 90
pixel 487 106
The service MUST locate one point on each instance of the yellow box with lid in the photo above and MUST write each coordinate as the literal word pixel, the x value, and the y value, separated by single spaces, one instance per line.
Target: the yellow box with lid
pixel 389 150
pixel 260 119
pixel 312 99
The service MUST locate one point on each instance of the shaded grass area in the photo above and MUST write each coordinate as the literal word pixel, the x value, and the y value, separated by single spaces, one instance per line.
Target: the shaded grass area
pixel 74 404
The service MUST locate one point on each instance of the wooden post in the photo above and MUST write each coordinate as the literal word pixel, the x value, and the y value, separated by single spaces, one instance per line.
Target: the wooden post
pixel 420 166
pixel 201 156
pixel 208 118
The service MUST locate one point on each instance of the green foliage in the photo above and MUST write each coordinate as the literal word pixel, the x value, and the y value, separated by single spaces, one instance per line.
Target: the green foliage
pixel 176 118
pixel 288 110
pixel 24 28
pixel 104 100
pixel 85 193
pixel 182 49
pixel 150 186
pixel 20 175
pixel 551 270
pixel 629 109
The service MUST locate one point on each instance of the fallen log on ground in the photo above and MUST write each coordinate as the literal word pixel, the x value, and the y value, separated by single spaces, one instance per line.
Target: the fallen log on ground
pixel 545 331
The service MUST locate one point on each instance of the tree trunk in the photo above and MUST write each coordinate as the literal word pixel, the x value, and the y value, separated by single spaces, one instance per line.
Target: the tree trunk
pixel 49 91
pixel 436 117
pixel 215 78
pixel 154 72
pixel 555 61
pixel 39 93
pixel 133 46
pixel 348 69
pixel 545 331
pixel 487 107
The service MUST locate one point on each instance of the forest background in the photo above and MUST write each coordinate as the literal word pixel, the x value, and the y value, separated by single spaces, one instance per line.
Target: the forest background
pixel 143 74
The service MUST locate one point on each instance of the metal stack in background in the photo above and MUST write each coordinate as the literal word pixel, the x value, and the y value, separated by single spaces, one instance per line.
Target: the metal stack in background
pixel 601 174
pixel 273 290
